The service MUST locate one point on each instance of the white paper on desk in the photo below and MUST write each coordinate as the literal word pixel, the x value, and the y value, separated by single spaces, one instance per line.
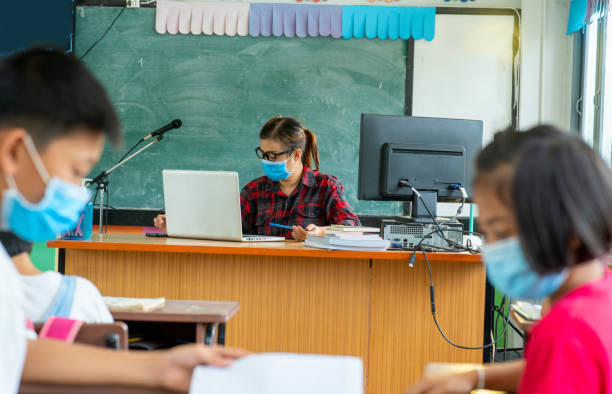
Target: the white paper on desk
pixel 282 373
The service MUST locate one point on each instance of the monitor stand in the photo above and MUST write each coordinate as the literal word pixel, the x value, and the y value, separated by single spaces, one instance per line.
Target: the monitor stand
pixel 417 210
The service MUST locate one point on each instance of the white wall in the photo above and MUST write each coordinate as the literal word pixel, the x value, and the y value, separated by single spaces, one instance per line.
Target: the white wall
pixel 546 64
pixel 466 71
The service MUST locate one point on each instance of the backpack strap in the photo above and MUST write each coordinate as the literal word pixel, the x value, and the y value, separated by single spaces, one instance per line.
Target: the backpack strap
pixel 60 329
pixel 64 298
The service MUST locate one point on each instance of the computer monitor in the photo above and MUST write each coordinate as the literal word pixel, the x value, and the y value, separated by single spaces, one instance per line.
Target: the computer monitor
pixel 433 155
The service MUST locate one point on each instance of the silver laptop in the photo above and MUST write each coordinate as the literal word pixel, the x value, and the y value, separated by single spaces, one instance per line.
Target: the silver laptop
pixel 205 205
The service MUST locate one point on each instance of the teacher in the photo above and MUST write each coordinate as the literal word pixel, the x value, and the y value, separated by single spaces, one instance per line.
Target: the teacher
pixel 293 191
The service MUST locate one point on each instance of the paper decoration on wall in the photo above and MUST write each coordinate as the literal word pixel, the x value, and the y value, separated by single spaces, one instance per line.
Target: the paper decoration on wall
pixel 218 18
pixel 388 22
pixel 583 12
pixel 577 15
pixel 293 20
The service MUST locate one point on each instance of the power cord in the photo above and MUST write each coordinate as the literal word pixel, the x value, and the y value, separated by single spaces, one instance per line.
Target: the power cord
pixel 456 246
pixel 418 194
pixel 103 35
pixel 432 299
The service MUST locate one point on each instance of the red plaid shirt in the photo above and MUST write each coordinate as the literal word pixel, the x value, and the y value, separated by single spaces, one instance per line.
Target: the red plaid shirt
pixel 318 199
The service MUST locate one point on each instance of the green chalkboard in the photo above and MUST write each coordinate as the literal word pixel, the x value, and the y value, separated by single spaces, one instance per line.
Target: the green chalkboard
pixel 224 89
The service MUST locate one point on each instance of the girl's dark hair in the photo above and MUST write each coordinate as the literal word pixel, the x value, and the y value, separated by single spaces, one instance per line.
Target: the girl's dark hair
pixel 293 135
pixel 561 191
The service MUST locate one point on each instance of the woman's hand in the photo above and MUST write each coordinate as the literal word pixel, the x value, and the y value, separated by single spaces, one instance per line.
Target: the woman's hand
pixel 300 234
pixel 175 367
pixel 160 222
pixel 459 383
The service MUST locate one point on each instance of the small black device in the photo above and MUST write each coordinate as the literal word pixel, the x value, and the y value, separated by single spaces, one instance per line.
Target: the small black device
pixel 159 235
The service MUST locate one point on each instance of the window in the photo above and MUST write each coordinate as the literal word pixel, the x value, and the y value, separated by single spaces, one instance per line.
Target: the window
pixel 596 105
pixel 604 139
pixel 590 96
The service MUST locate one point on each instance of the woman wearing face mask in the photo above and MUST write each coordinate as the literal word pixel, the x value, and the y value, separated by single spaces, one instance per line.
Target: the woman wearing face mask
pixel 293 192
pixel 545 206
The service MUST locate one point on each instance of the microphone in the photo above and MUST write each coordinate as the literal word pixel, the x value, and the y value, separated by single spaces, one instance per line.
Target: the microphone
pixel 175 124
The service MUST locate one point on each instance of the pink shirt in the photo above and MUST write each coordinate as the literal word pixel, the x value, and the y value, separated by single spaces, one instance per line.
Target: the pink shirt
pixel 570 350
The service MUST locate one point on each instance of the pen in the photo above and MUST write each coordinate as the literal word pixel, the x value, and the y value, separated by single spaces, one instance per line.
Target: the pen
pixel 281 226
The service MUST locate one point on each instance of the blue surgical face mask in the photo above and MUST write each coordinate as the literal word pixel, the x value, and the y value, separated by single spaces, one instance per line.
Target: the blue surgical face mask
pixel 276 170
pixel 57 212
pixel 509 272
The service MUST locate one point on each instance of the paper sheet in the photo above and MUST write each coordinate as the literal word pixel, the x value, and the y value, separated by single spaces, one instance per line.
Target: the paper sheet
pixel 282 373
pixel 127 304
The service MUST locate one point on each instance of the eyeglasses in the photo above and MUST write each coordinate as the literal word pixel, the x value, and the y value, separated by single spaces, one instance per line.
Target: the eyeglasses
pixel 270 156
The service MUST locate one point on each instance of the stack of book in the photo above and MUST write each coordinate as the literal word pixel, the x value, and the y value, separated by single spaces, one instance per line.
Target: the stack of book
pixel 353 230
pixel 349 241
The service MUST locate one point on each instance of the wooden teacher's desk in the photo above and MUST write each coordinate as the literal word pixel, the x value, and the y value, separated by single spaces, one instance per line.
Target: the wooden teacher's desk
pixel 297 299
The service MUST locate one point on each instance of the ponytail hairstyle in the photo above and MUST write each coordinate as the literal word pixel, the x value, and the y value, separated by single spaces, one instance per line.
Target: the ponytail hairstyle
pixel 289 132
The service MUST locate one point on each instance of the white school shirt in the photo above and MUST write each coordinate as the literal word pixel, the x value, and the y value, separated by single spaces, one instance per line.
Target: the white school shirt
pixel 39 293
pixel 12 326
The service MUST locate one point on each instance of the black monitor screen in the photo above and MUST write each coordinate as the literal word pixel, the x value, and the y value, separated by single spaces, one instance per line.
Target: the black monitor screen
pixel 46 23
pixel 432 154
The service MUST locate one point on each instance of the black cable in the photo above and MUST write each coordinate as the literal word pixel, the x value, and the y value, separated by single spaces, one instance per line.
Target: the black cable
pixel 130 151
pixel 417 247
pixel 441 234
pixel 498 313
pixel 438 248
pixel 433 314
pixel 103 35
pixel 412 259
pixel 506 338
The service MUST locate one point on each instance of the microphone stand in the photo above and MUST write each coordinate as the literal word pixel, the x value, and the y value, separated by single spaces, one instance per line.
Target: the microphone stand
pixel 101 180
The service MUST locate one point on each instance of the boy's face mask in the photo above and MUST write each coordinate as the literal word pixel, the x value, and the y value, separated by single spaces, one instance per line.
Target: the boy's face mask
pixel 57 212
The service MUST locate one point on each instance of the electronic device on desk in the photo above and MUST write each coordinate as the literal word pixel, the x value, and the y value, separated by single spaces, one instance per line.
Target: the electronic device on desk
pixel 210 209
pixel 421 161
pixel 408 234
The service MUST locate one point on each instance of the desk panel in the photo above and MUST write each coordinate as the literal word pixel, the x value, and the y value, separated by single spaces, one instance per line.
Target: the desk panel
pixel 403 336
pixel 286 303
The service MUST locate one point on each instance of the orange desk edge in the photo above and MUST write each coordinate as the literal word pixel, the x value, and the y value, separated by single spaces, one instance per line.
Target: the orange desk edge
pixel 140 243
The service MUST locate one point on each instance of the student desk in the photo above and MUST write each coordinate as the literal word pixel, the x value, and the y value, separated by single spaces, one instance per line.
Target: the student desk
pixel 28 388
pixel 202 316
pixel 298 299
